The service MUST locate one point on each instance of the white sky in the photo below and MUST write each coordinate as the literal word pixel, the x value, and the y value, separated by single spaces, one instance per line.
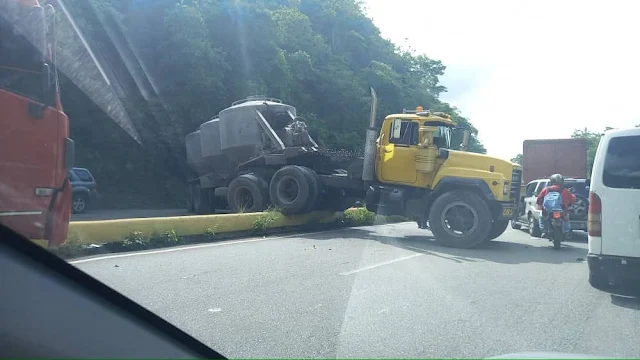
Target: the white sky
pixel 526 70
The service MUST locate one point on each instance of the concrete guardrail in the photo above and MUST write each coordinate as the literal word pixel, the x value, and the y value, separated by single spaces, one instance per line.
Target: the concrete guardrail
pixel 106 231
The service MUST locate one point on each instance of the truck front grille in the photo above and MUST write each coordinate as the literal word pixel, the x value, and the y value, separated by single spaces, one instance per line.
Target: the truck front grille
pixel 516 180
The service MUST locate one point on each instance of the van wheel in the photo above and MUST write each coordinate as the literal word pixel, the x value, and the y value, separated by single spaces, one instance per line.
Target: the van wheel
pixel 498 228
pixel 534 227
pixel 80 203
pixel 247 193
pixel 290 190
pixel 460 219
pixel 515 225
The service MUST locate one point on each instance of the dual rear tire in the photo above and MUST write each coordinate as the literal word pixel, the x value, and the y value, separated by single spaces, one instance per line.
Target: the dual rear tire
pixel 295 189
pixel 292 190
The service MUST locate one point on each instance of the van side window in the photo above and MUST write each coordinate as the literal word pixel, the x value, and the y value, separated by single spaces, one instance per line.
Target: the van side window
pixel 622 163
pixel 404 132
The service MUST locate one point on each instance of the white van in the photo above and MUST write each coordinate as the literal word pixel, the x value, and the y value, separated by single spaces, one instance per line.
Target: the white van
pixel 614 210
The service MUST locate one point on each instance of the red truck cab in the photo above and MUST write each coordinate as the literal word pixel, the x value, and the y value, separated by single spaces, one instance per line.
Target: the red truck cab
pixel 35 148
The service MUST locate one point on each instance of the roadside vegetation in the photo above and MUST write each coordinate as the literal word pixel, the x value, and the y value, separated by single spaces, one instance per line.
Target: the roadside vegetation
pixel 263 225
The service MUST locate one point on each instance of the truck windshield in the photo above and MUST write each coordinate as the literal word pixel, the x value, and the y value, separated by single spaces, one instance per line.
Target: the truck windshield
pixel 442 137
pixel 20 63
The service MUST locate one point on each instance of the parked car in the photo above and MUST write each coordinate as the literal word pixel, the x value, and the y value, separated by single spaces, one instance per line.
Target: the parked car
pixel 528 212
pixel 85 189
pixel 614 213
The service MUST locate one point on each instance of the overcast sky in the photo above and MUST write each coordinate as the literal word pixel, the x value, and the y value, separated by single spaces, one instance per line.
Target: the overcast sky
pixel 526 70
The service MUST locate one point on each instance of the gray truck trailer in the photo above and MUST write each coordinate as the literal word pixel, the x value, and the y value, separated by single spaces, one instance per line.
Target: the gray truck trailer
pixel 258 153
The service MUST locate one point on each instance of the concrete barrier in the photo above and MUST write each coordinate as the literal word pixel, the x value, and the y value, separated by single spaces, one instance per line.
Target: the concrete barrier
pixel 106 231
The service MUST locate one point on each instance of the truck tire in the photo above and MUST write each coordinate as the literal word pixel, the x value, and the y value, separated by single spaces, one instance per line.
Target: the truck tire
pixel 201 200
pixel 289 190
pixel 315 188
pixel 498 227
pixel 460 219
pixel 247 193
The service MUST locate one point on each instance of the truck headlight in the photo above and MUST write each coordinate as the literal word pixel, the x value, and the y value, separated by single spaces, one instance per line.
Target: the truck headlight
pixel 505 188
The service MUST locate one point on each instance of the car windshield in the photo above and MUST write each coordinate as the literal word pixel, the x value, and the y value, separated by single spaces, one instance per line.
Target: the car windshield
pixel 248 171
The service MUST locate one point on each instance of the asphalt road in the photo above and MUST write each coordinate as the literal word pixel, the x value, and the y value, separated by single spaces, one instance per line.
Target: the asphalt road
pixel 383 291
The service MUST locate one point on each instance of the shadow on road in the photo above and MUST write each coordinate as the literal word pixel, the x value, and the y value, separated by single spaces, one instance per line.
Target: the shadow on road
pixel 494 251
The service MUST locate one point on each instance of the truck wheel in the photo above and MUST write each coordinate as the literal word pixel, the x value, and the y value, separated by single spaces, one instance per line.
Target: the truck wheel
pixel 314 188
pixel 498 228
pixel 534 227
pixel 80 203
pixel 289 190
pixel 247 193
pixel 515 225
pixel 460 219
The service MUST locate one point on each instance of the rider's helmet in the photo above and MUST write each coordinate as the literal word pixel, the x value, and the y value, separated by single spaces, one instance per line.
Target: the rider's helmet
pixel 556 179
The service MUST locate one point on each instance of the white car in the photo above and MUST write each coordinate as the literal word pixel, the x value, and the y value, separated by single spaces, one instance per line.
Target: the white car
pixel 614 210
pixel 528 212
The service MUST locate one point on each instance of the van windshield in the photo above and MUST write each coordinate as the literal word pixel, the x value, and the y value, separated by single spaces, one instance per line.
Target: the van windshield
pixel 622 164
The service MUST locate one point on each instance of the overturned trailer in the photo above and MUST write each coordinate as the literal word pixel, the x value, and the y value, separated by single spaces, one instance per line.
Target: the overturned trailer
pixel 258 153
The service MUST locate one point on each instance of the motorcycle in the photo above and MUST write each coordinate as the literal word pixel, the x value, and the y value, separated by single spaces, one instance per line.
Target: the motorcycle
pixel 558 228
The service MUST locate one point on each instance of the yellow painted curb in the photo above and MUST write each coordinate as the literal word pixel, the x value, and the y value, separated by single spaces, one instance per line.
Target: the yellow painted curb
pixel 105 231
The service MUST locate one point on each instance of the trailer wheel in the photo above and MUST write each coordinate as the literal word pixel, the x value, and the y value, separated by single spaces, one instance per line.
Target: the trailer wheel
pixel 289 190
pixel 460 219
pixel 247 193
pixel 315 188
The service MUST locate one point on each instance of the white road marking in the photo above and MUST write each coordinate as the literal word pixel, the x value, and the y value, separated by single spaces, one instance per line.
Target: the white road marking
pixel 379 265
pixel 117 256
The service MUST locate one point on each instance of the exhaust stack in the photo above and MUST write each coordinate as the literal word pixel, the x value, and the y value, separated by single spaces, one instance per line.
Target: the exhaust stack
pixel 369 164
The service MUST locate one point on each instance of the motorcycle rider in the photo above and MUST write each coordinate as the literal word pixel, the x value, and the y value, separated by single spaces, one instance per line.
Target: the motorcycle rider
pixel 555 185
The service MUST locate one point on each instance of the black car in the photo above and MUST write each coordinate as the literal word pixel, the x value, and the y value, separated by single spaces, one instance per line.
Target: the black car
pixel 85 189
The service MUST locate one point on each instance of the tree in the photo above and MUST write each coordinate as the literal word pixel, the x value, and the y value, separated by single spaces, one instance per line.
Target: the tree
pixel 176 63
pixel 517 159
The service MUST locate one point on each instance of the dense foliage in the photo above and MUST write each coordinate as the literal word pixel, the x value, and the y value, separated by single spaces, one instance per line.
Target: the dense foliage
pixel 173 64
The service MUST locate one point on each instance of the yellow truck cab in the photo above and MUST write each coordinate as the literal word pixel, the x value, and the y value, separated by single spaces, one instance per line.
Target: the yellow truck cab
pixel 467 198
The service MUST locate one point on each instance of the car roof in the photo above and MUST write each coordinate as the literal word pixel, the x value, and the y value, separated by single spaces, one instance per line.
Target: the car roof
pixel 79 168
pixel 622 132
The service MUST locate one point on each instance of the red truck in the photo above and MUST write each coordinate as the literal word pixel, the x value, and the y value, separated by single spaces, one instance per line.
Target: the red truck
pixel 542 158
pixel 35 149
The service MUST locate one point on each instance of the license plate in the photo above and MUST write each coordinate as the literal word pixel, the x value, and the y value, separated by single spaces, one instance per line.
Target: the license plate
pixel 507 211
